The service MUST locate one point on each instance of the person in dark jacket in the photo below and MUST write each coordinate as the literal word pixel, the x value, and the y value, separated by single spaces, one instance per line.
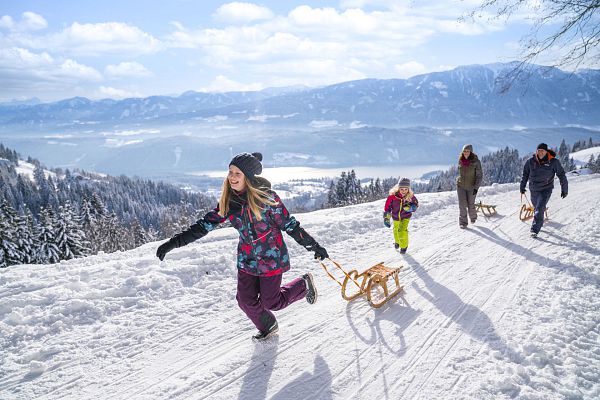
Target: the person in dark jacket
pixel 259 216
pixel 468 181
pixel 540 170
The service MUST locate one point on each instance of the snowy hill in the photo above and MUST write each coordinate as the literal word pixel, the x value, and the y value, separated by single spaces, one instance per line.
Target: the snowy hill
pixel 487 313
pixel 583 156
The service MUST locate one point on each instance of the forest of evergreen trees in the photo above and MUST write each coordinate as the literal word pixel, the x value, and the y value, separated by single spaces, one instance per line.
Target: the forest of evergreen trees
pixel 502 166
pixel 61 215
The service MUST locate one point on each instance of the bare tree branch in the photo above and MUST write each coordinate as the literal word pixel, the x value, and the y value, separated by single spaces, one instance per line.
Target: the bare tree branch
pixel 576 38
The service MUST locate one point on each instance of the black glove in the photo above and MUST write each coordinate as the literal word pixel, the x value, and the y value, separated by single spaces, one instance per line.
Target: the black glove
pixel 320 252
pixel 523 191
pixel 474 192
pixel 563 194
pixel 164 248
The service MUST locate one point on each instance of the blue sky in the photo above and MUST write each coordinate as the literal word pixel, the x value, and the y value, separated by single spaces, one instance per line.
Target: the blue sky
pixel 98 49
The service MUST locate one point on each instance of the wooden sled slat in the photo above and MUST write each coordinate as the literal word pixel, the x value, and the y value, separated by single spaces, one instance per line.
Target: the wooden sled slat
pixel 367 282
pixel 486 209
pixel 527 209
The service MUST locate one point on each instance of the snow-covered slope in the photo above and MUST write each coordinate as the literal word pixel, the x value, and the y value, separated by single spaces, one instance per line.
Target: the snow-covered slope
pixel 583 156
pixel 487 313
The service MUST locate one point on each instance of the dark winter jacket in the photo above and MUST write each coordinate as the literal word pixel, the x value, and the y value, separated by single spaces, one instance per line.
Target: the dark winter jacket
pixel 261 250
pixel 397 206
pixel 540 173
pixel 469 172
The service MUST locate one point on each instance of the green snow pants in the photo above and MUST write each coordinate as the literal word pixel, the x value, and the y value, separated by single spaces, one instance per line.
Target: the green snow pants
pixel 401 232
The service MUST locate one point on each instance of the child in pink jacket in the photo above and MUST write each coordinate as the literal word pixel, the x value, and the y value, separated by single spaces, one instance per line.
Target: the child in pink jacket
pixel 400 205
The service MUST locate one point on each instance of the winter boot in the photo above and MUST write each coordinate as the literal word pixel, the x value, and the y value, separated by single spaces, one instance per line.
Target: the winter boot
pixel 403 250
pixel 260 336
pixel 311 290
pixel 533 233
pixel 396 246
pixel 463 226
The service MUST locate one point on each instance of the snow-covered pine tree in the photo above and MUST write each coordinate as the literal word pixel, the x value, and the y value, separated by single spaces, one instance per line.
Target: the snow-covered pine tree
pixel 26 240
pixel 70 238
pixel 48 251
pixel 9 251
pixel 332 200
pixel 563 155
pixel 139 235
pixel 112 235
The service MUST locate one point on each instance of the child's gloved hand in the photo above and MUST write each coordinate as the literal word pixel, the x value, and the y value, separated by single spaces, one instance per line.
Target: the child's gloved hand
pixel 386 219
pixel 409 207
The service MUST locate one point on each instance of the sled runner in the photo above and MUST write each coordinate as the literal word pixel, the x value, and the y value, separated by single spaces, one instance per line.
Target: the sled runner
pixel 527 210
pixel 486 209
pixel 355 284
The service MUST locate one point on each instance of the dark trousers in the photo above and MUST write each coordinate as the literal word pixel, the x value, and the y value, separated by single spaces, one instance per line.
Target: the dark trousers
pixel 258 295
pixel 466 204
pixel 539 199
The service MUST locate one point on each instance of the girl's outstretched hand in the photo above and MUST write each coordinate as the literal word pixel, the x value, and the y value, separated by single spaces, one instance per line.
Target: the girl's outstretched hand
pixel 320 253
pixel 164 248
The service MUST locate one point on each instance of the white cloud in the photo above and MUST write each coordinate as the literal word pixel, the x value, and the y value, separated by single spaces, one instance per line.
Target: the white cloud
pixel 72 69
pixel 32 21
pixel 6 22
pixel 42 66
pixel 29 21
pixel 410 69
pixel 114 93
pixel 242 12
pixel 413 68
pixel 130 69
pixel 95 40
pixel 223 84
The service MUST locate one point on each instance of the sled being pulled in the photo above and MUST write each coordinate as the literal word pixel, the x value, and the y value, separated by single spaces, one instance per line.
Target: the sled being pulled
pixel 486 209
pixel 370 282
pixel 527 210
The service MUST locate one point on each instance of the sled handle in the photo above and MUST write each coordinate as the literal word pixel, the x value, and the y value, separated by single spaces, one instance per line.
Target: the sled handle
pixel 341 269
pixel 526 198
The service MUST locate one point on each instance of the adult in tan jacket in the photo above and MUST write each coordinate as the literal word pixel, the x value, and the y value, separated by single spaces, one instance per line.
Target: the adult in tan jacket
pixel 467 184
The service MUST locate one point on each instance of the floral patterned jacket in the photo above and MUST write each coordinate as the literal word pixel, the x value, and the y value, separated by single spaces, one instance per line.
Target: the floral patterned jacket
pixel 261 249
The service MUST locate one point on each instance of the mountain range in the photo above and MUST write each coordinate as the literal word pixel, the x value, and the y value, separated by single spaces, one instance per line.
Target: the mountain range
pixel 423 120
pixel 465 96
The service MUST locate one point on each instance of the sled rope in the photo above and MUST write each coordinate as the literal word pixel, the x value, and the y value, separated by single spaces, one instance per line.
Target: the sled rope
pixel 341 269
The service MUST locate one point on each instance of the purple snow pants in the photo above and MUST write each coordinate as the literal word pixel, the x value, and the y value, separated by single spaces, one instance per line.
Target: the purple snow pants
pixel 258 295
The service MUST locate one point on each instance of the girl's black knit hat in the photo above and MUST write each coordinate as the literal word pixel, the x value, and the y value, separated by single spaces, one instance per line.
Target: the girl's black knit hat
pixel 249 164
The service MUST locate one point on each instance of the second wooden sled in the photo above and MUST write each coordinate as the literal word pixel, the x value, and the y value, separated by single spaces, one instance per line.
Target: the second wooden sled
pixel 486 209
pixel 355 284
pixel 527 210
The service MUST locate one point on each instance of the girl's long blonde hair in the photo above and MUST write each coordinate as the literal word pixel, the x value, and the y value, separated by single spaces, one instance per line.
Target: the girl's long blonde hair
pixel 258 197
pixel 396 189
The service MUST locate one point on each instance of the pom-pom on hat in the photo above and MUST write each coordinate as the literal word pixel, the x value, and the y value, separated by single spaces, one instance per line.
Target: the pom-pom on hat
pixel 404 183
pixel 542 146
pixel 249 164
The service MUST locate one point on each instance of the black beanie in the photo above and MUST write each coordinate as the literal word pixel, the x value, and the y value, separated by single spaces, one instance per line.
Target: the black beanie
pixel 542 146
pixel 248 163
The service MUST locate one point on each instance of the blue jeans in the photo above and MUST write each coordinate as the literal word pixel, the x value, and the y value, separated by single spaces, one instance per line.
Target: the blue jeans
pixel 539 199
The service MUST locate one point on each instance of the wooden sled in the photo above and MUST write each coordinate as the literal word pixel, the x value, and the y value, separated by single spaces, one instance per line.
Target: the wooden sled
pixel 486 209
pixel 527 210
pixel 355 284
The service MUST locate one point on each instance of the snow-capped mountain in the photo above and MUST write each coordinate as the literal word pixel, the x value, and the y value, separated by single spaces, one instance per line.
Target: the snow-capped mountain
pixel 464 96
pixel 486 313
